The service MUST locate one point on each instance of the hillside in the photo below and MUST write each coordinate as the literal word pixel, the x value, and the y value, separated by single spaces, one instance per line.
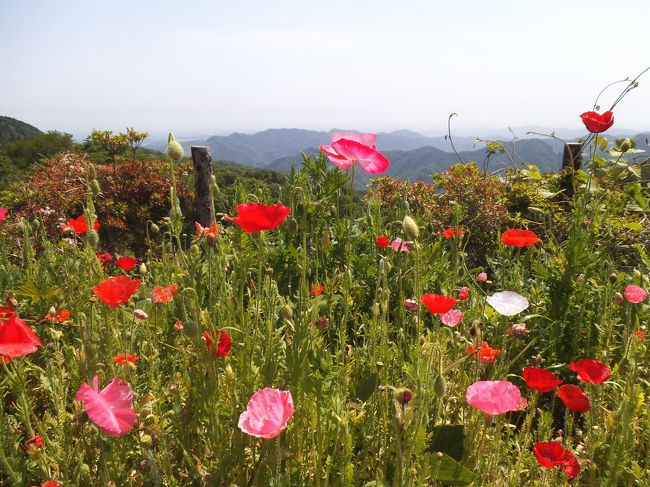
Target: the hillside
pixel 12 130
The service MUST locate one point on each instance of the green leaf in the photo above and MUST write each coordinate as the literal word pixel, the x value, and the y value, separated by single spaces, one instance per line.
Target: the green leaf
pixel 446 469
pixel 637 227
pixel 603 143
pixel 366 385
pixel 449 439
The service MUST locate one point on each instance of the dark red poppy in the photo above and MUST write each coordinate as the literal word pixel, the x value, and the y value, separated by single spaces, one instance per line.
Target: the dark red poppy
pixel 17 338
pixel 79 226
pixel 463 294
pixel 597 123
pixel 539 379
pixel 126 263
pixel 552 454
pixel 116 290
pixel 591 371
pixel 255 217
pixel 164 294
pixel 452 232
pixel 104 259
pixel 437 303
pixel 519 238
pixel 223 345
pixel 382 242
pixel 3 214
pixel 59 317
pixel 573 398
pixel 35 442
pixel 317 289
pixel 125 358
pixel 485 353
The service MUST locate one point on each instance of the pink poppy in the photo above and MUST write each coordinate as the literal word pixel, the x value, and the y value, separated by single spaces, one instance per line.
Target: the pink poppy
pixel 347 148
pixel 3 214
pixel 267 414
pixel 411 305
pixel 482 277
pixel 111 409
pixel 452 317
pixel 635 294
pixel 495 397
pixel 398 244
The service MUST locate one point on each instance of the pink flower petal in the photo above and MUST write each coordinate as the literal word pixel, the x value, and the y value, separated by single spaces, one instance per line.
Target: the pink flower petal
pixel 495 397
pixel 365 139
pixel 267 413
pixel 452 317
pixel 111 408
pixel 339 161
pixel 635 294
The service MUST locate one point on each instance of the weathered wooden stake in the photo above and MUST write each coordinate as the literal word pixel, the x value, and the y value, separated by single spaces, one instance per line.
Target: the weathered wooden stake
pixel 202 162
pixel 571 162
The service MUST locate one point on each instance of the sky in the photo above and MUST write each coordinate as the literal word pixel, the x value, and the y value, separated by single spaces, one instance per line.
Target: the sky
pixel 216 67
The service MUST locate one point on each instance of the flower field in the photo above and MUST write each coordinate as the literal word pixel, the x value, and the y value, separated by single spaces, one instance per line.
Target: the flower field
pixel 399 338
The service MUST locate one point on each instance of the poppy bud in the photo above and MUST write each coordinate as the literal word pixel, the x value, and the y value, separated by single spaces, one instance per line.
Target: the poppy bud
pixel 618 298
pixel 625 144
pixel 94 187
pixel 143 269
pixel 286 312
pixel 440 386
pixel 482 277
pixel 140 314
pixel 52 310
pixel 403 395
pixel 174 149
pixel 84 471
pixel 323 307
pixel 11 302
pixel 292 226
pixel 154 228
pixel 211 239
pixel 410 228
pixel 472 331
pixel 613 278
pixel 92 237
pixel 325 241
pixel 322 322
pixel 230 374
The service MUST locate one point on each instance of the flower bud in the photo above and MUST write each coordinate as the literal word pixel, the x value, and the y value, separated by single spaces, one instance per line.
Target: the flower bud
pixel 463 294
pixel 143 269
pixel 174 149
pixel 410 228
pixel 618 298
pixel 440 386
pixel 403 395
pixel 613 278
pixel 154 228
pixel 482 277
pixel 322 322
pixel 140 314
pixel 92 237
pixel 286 312
pixel 95 188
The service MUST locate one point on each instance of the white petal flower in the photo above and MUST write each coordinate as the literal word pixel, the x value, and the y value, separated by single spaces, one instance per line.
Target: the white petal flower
pixel 508 303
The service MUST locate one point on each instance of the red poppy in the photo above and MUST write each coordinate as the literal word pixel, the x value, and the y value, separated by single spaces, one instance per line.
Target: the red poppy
pixel 178 326
pixel 17 338
pixel 382 242
pixel 573 398
pixel 463 294
pixel 317 289
pixel 126 263
pixel 104 259
pixel 552 454
pixel 485 353
pixel 79 226
pixel 223 346
pixel 50 483
pixel 201 231
pixel 3 214
pixel 639 334
pixel 116 290
pixel 59 317
pixel 591 371
pixel 437 303
pixel 35 442
pixel 255 217
pixel 452 232
pixel 164 294
pixel 539 379
pixel 519 238
pixel 597 123
pixel 6 312
pixel 125 358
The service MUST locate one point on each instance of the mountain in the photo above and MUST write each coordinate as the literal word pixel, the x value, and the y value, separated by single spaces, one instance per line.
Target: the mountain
pixel 12 130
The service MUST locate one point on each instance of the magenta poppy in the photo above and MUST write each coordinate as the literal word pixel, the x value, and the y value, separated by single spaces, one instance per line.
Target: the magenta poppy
pixel 573 398
pixel 17 338
pixel 635 294
pixel 267 414
pixel 3 214
pixel 111 409
pixel 437 303
pixel 347 148
pixel 539 379
pixel 452 317
pixel 591 371
pixel 495 397
pixel 255 217
pixel 597 123
pixel 519 238
pixel 116 290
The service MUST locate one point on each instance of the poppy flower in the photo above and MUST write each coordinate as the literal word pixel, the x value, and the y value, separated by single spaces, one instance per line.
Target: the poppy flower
pixel 140 314
pixel 452 232
pixel 539 379
pixel 635 294
pixel 267 413
pixel 551 454
pixel 78 225
pixel 178 326
pixel 317 289
pixel 59 317
pixel 126 263
pixel 591 371
pixel 410 305
pixel 17 338
pixel 223 345
pixel 255 217
pixel 125 358
pixel 104 259
pixel 399 244
pixel 639 334
pixel 482 277
pixel 597 123
pixel 202 231
pixel 111 409
pixel 116 290
pixel 3 214
pixel 35 442
pixel 347 148
pixel 463 294
pixel 437 303
pixel 452 317
pixel 508 303
pixel 382 242
pixel 164 294
pixel 495 397
pixel 50 483
pixel 6 312
pixel 485 353
pixel 519 238
pixel 573 398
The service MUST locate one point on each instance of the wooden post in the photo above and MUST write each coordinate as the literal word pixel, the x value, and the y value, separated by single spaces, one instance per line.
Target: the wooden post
pixel 202 162
pixel 571 162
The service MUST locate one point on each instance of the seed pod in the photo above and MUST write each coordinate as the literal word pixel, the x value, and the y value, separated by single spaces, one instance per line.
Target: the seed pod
pixel 440 386
pixel 94 187
pixel 292 227
pixel 143 269
pixel 286 312
pixel 92 237
pixel 154 228
pixel 174 149
pixel 410 228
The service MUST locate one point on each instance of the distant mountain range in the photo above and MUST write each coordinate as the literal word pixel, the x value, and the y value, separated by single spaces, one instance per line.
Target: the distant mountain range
pixel 12 130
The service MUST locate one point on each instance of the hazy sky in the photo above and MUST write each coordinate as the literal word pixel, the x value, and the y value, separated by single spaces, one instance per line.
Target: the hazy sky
pixel 207 67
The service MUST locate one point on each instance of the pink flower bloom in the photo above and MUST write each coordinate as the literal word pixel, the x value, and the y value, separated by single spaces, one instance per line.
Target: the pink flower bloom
pixel 347 148
pixel 111 409
pixel 452 317
pixel 635 294
pixel 411 305
pixel 267 414
pixel 399 244
pixel 495 397
pixel 140 314
pixel 482 277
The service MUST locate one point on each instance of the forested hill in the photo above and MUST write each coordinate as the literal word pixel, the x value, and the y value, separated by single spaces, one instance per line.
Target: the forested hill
pixel 12 130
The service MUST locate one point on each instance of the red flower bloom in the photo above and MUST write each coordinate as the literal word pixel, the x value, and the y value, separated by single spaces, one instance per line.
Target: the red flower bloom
pixel 519 238
pixel 255 217
pixel 50 483
pixel 79 226
pixel 485 353
pixel 59 317
pixel 6 312
pixel 16 338
pixel 116 290
pixel 178 326
pixel 539 379
pixel 164 294
pixel 382 242
pixel 223 345
pixel 3 214
pixel 597 123
pixel 463 294
pixel 552 454
pixel 126 263
pixel 640 335
pixel 201 231
pixel 317 289
pixel 573 398
pixel 104 259
pixel 452 232
pixel 125 358
pixel 591 371
pixel 35 442
pixel 438 304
